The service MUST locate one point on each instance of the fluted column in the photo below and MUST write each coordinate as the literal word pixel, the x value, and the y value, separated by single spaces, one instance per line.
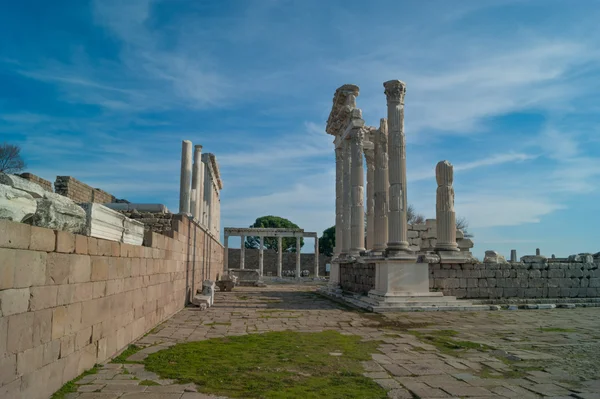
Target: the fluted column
pixel 397 225
pixel 226 252
pixel 186 176
pixel 381 187
pixel 347 197
pixel 298 244
pixel 339 200
pixel 357 237
pixel 370 209
pixel 242 252
pixel 279 256
pixel 261 256
pixel 444 208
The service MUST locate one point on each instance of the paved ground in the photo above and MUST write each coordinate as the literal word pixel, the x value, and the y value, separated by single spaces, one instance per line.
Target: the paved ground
pixel 541 353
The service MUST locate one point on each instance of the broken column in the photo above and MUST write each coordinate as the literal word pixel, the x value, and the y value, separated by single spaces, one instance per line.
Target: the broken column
pixel 381 187
pixel 395 91
pixel 445 215
pixel 513 256
pixel 197 189
pixel 357 243
pixel 186 176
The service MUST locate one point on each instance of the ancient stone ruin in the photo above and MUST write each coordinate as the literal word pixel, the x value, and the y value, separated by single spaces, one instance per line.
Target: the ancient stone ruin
pixel 426 266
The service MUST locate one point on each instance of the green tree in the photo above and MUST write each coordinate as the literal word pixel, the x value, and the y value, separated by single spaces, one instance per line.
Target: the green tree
pixel 327 241
pixel 288 244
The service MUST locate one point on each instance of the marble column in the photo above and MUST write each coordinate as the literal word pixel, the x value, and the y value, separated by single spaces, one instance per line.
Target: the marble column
pixel 196 187
pixel 279 256
pixel 513 256
pixel 339 200
pixel 186 177
pixel 381 187
pixel 226 252
pixel 357 237
pixel 200 192
pixel 444 208
pixel 347 198
pixel 298 249
pixel 370 210
pixel 316 256
pixel 242 251
pixel 207 193
pixel 261 256
pixel 397 225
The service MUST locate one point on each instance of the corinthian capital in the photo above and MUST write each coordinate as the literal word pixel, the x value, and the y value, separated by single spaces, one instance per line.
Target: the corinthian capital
pixel 395 91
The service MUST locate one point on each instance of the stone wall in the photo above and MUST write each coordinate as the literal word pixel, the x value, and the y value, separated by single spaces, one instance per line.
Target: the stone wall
pixel 423 237
pixel 45 184
pixel 357 277
pixel 548 279
pixel 81 192
pixel 153 221
pixel 288 261
pixel 70 301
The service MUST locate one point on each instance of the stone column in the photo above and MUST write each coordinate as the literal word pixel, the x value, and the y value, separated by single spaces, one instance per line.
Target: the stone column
pixel 357 243
pixel 370 210
pixel 200 192
pixel 196 187
pixel 538 252
pixel 513 256
pixel 298 249
pixel 347 198
pixel 444 209
pixel 226 253
pixel 242 251
pixel 339 200
pixel 397 225
pixel 186 176
pixel 207 194
pixel 261 256
pixel 316 256
pixel 279 256
pixel 381 187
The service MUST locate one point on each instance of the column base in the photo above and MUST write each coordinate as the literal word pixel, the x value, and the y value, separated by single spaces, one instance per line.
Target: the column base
pixel 447 247
pixel 456 257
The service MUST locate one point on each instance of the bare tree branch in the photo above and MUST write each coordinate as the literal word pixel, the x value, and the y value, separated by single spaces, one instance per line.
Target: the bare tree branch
pixel 10 158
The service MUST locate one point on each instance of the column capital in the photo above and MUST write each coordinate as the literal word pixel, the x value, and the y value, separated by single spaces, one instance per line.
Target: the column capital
pixel 395 91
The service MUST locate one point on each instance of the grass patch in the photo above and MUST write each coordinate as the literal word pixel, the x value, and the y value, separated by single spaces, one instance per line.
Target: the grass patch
pixel 272 365
pixel 279 317
pixel 442 341
pixel 243 297
pixel 557 330
pixel 218 324
pixel 149 383
pixel 71 386
pixel 122 358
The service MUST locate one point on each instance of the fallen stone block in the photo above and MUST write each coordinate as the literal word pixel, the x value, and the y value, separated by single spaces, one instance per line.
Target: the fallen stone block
pixel 58 212
pixel 103 222
pixel 133 231
pixel 246 277
pixel 546 306
pixel 202 301
pixel 16 205
pixel 225 285
pixel 33 189
pixel 208 289
pixel 566 305
pixel 494 257
pixel 152 208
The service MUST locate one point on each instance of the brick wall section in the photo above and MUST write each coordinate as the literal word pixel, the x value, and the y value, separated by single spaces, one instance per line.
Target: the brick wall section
pixel 45 184
pixel 517 280
pixel 81 192
pixel 69 301
pixel 357 277
pixel 157 222
pixel 288 261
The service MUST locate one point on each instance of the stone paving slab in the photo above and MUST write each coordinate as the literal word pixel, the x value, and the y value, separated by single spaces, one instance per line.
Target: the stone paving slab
pixel 539 353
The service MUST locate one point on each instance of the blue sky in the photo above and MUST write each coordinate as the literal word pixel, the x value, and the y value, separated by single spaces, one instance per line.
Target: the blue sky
pixel 508 91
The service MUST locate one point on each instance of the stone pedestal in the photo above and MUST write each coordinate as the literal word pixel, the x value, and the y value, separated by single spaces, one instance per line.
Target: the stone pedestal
pixel 334 275
pixel 397 278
